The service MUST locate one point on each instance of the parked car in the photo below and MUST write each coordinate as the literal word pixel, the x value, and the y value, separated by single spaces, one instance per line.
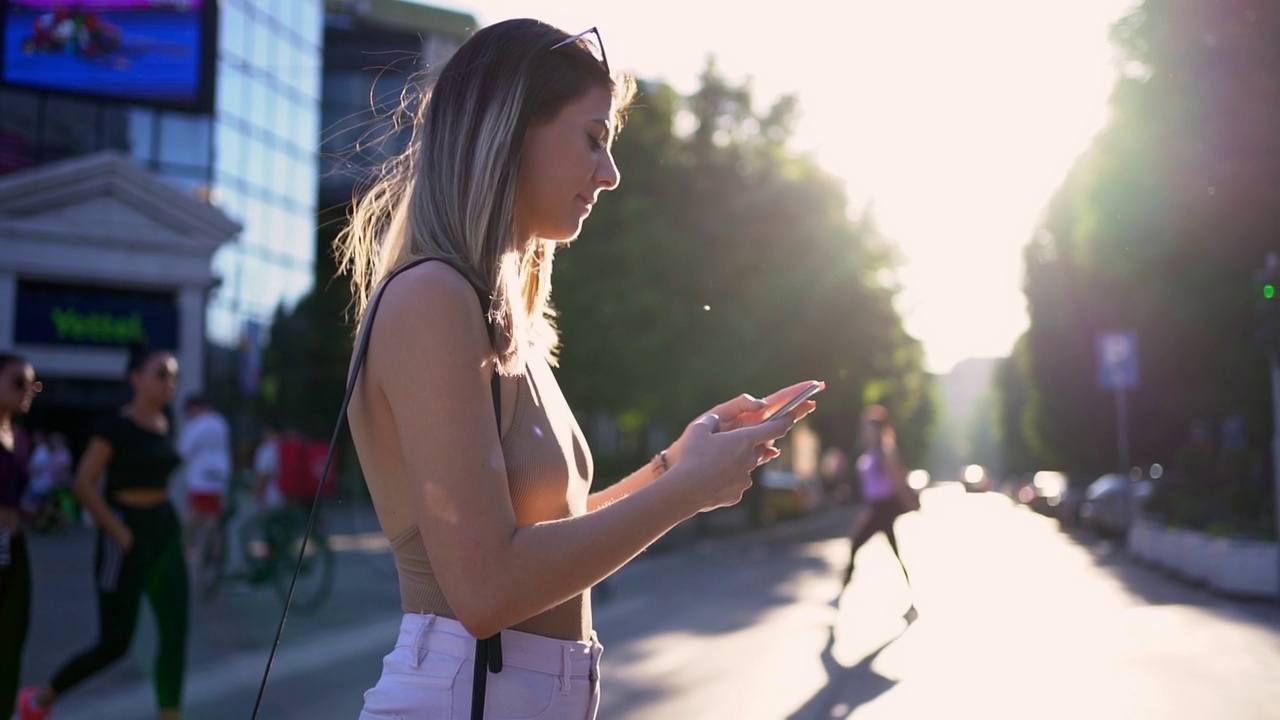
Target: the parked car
pixel 784 494
pixel 976 479
pixel 1045 492
pixel 1111 501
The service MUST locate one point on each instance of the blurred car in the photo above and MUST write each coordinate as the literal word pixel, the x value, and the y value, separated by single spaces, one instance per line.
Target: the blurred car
pixel 784 494
pixel 1111 501
pixel 1046 493
pixel 976 479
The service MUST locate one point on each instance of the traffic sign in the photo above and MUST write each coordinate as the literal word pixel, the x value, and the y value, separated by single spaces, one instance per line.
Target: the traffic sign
pixel 1118 360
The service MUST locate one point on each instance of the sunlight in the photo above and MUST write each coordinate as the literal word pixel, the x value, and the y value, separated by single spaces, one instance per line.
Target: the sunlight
pixel 955 122
pixel 963 128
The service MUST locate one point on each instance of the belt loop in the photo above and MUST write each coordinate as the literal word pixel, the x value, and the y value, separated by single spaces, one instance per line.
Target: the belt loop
pixel 566 669
pixel 417 639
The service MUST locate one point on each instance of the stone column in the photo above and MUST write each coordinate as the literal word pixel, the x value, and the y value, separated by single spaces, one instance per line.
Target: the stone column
pixel 190 341
pixel 8 307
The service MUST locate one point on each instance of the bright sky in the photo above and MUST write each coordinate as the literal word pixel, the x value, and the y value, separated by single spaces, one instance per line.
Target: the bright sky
pixel 957 120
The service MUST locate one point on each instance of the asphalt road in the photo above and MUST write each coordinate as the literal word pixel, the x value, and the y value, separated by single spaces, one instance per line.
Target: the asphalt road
pixel 1016 620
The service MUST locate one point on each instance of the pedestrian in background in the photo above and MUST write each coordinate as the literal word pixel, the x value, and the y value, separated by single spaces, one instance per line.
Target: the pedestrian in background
pixel 479 474
pixel 205 447
pixel 139 548
pixel 18 387
pixel 50 470
pixel 885 492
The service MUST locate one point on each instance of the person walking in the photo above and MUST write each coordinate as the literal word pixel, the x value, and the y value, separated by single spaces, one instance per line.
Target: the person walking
pixel 139 547
pixel 885 492
pixel 18 387
pixel 205 447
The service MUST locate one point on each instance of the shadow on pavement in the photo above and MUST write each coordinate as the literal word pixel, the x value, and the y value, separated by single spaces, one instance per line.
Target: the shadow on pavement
pixel 847 688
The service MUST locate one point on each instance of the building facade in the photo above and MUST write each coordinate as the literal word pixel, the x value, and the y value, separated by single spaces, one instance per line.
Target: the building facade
pixel 139 195
pixel 243 167
pixel 373 49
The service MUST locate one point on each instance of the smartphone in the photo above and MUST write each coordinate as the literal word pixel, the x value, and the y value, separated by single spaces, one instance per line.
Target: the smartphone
pixel 809 391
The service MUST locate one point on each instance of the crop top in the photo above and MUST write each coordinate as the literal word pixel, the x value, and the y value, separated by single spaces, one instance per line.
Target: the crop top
pixel 140 458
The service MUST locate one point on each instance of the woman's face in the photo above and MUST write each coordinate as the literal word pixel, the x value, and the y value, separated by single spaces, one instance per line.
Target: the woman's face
pixel 18 387
pixel 564 165
pixel 156 382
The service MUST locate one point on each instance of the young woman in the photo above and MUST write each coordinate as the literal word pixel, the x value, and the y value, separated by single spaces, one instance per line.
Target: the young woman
pixel 479 474
pixel 884 487
pixel 139 546
pixel 18 387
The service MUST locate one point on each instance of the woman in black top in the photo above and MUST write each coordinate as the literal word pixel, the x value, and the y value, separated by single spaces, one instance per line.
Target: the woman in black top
pixel 17 388
pixel 139 542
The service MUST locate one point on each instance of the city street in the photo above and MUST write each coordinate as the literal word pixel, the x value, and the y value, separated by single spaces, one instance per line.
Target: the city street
pixel 1016 620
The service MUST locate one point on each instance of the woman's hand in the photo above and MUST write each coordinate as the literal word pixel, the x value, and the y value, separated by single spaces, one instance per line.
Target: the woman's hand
pixel 123 538
pixel 747 411
pixel 10 520
pixel 716 455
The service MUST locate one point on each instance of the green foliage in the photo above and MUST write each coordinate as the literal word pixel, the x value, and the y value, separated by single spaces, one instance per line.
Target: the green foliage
pixel 724 264
pixel 1157 229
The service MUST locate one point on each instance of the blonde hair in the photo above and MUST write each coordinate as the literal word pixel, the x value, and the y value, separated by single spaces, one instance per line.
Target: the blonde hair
pixel 451 194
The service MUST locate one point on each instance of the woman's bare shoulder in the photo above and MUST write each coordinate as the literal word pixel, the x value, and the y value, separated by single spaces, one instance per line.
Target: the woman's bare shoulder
pixel 431 288
pixel 428 309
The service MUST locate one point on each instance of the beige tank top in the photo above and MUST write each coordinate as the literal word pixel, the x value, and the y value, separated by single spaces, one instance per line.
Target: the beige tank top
pixel 549 473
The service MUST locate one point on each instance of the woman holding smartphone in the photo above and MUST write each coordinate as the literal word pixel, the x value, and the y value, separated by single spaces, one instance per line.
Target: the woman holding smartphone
pixel 479 473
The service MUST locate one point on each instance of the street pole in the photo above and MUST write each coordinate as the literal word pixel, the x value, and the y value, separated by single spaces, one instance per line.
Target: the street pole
pixel 1272 265
pixel 1275 438
pixel 1122 430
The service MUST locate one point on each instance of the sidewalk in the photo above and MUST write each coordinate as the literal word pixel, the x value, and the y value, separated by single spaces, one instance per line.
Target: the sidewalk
pixel 239 625
pixel 229 639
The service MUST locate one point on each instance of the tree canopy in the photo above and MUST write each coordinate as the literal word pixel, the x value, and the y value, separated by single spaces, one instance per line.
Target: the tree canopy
pixel 1156 229
pixel 724 263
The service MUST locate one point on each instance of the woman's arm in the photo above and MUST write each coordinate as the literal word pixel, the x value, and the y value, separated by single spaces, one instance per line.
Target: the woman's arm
pixel 92 463
pixel 427 357
pixel 742 411
pixel 631 483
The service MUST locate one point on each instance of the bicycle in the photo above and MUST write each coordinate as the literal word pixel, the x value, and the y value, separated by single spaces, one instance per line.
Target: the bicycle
pixel 270 542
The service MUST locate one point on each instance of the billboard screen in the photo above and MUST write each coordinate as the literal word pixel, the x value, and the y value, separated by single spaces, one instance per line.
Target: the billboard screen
pixel 50 314
pixel 158 52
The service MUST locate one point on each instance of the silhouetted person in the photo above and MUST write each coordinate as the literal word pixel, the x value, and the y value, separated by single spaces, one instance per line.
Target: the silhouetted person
pixel 884 481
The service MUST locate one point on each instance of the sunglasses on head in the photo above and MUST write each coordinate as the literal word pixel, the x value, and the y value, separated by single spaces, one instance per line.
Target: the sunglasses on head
pixel 596 48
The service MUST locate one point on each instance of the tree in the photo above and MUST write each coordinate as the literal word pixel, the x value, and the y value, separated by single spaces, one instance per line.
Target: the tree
pixel 725 263
pixel 1156 229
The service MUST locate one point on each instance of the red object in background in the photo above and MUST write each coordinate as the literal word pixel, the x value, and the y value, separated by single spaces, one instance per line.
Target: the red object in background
pixel 301 462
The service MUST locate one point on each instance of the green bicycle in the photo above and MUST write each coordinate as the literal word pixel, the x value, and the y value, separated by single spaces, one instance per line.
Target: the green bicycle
pixel 271 542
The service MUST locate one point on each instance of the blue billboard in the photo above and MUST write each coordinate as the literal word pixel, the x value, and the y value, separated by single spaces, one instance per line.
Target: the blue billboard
pixel 156 52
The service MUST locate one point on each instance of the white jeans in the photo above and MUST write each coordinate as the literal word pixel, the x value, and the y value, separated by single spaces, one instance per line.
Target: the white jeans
pixel 429 675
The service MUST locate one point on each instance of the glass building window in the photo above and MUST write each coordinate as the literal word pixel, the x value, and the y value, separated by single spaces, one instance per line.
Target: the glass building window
pixel 184 140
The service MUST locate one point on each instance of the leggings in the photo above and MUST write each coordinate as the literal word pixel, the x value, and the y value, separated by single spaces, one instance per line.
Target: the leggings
pixel 15 617
pixel 154 566
pixel 882 515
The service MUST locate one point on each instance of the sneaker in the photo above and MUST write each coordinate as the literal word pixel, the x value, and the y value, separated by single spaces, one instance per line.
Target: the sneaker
pixel 27 708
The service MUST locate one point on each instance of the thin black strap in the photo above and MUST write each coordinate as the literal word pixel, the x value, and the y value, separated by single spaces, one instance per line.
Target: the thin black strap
pixel 489 650
pixel 358 362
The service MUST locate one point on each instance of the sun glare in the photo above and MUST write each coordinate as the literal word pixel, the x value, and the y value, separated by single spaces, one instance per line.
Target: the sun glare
pixel 955 121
